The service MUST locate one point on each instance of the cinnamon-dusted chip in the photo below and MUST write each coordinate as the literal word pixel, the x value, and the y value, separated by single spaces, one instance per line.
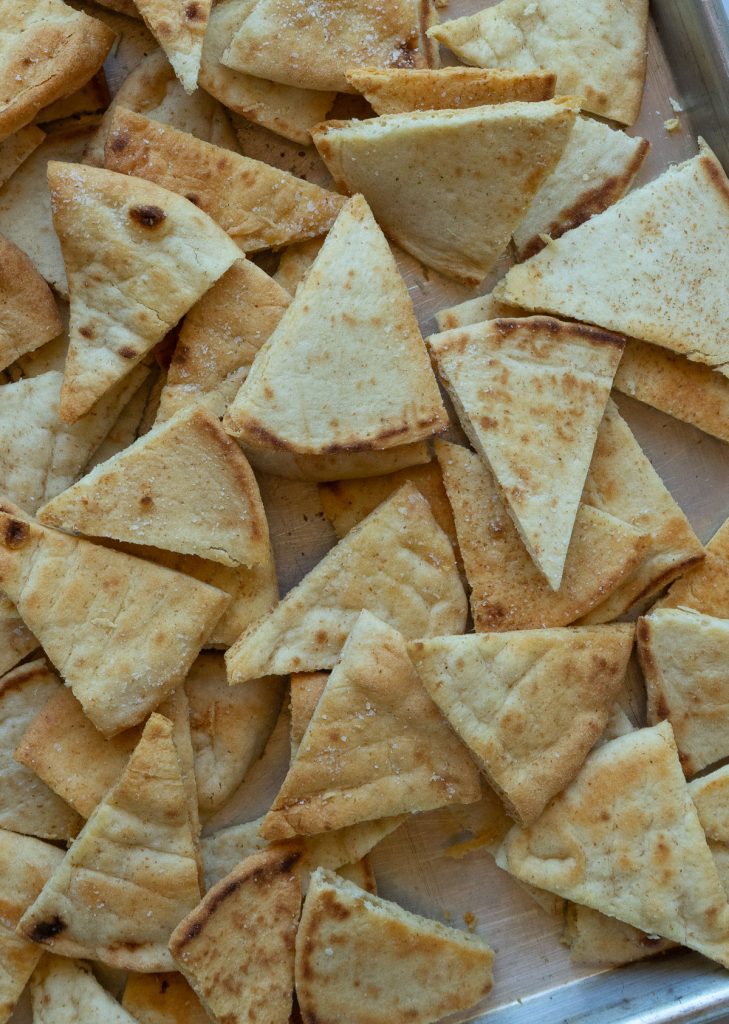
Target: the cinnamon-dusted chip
pixel 64 991
pixel 16 640
pixel 16 149
pixel 351 332
pixel 131 876
pixel 295 262
pixel 28 314
pixel 496 156
pixel 397 90
pixel 705 588
pixel 162 999
pixel 507 376
pixel 399 541
pixel 597 48
pixel 121 632
pixel 237 947
pixel 412 969
pixel 179 27
pixel 530 704
pixel 153 253
pixel 474 311
pixel 376 745
pixel 339 465
pixel 710 794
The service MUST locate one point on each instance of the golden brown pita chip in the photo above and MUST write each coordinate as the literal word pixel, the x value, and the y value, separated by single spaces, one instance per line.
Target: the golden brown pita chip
pixel 28 314
pixel 64 991
pixel 131 875
pixel 16 149
pixel 594 938
pixel 474 311
pixel 126 429
pixel 710 794
pixel 305 690
pixel 295 261
pixel 307 630
pixel 339 465
pixel 705 587
pixel 162 999
pixel 91 98
pixel 179 27
pixel 16 640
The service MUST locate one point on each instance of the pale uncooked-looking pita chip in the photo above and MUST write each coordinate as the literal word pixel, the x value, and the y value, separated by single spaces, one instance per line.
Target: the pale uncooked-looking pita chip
pixel 339 465
pixel 16 640
pixel 594 938
pixel 507 589
pixel 397 90
pixel 28 314
pixel 237 947
pixel 131 876
pixel 295 262
pixel 162 999
pixel 179 27
pixel 508 376
pixel 399 541
pixel 259 206
pixel 672 234
pixel 64 991
pixel 710 794
pixel 474 311
pixel 705 587
pixel 624 838
pixel 153 254
pixel 495 157
pixel 16 149
pixel 597 48
pixel 530 704
pixel 351 333
pixel 365 960
pixel 121 632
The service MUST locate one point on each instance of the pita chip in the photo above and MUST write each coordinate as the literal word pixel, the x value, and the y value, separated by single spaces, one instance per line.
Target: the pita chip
pixel 305 691
pixel 499 156
pixel 91 98
pixel 120 631
pixel 131 876
pixel 507 590
pixel 399 541
pixel 351 315
pixel 504 377
pixel 153 253
pixel 339 465
pixel 28 314
pixel 710 794
pixel 162 998
pixel 64 991
pixel 295 262
pixel 624 838
pixel 413 969
pixel 593 938
pixel 475 311
pixel 25 866
pixel 259 206
pixel 126 429
pixel 705 587
pixel 671 233
pixel 16 149
pixel 16 640
pixel 376 745
pixel 236 948
pixel 179 28
pixel 561 35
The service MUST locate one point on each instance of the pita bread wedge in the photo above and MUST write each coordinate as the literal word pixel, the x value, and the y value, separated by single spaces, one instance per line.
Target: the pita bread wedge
pixel 351 314
pixel 671 232
pixel 398 162
pixel 121 632
pixel 179 27
pixel 295 262
pixel 561 35
pixel 25 866
pixel 475 311
pixel 507 590
pixel 710 794
pixel 338 465
pixel 259 206
pixel 705 588
pixel 624 838
pixel 131 876
pixel 48 50
pixel 594 938
pixel 236 948
pixel 16 149
pixel 162 999
pixel 399 540
pixel 28 314
pixel 16 640
pixel 153 253
pixel 125 430
pixel 91 98
pixel 504 376
pixel 143 495
pixel 305 691
pixel 376 745
pixel 125 7
pixel 351 942
pixel 64 991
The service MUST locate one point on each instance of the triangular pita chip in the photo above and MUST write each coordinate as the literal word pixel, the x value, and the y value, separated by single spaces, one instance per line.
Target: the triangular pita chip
pixel 531 394
pixel 64 991
pixel 376 745
pixel 474 311
pixel 562 35
pixel 624 838
pixel 179 27
pixel 121 632
pixel 305 690
pixel 131 876
pixel 352 334
pixel 16 149
pixel 710 794
pixel 339 465
pixel 25 866
pixel 237 947
pixel 705 588
pixel 594 938
pixel 399 541
pixel 259 206
pixel 28 314
pixel 162 999
pixel 91 98
pixel 295 261
pixel 128 424
pixel 153 254
pixel 26 804
pixel 507 590
pixel 16 640
pixel 672 234
pixel 497 156
pixel 412 969
pixel 529 704
pixel 144 495
pixel 398 90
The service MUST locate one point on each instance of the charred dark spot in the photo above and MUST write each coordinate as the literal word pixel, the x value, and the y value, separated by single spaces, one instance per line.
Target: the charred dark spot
pixel 147 216
pixel 193 198
pixel 16 533
pixel 163 986
pixel 126 352
pixel 193 12
pixel 146 501
pixel 119 141
pixel 45 930
pixel 86 332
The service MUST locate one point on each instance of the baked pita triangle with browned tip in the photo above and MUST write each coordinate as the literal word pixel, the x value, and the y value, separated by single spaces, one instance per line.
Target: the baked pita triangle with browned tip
pixel 131 875
pixel 163 998
pixel 530 704
pixel 179 28
pixel 530 394
pixel 64 991
pixel 28 314
pixel 137 257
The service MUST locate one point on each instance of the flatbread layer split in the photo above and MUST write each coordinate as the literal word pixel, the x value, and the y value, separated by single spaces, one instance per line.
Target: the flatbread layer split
pixel 28 314
pixel 137 258
pixel 64 991
pixel 399 541
pixel 530 394
pixel 497 157
pixel 131 876
pixel 338 465
pixel 376 745
pixel 363 959
pixel 162 998
pixel 179 28
pixel 351 333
